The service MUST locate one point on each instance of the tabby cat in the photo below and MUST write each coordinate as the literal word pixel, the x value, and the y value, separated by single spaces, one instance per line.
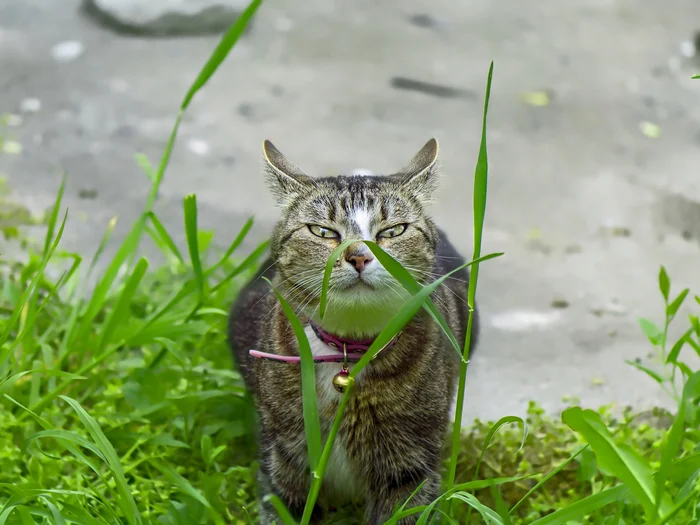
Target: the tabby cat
pixel 393 428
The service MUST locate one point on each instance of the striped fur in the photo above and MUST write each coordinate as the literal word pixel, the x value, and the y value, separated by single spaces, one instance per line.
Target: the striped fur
pixel 394 425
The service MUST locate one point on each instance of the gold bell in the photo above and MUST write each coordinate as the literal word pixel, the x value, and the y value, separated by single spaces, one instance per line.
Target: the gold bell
pixel 341 380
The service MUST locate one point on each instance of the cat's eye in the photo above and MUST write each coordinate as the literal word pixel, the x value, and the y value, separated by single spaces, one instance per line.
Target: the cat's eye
pixel 324 233
pixel 394 231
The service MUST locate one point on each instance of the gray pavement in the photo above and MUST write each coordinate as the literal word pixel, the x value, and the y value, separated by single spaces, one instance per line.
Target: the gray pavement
pixel 583 201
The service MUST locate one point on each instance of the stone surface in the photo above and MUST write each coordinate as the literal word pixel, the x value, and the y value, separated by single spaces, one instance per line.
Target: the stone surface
pixel 167 17
pixel 577 171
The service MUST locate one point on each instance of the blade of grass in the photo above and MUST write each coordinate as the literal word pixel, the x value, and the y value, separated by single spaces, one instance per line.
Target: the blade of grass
pixel 501 507
pixel 480 185
pixel 126 500
pixel 221 51
pixel 165 236
pixel 327 274
pixel 57 517
pixel 245 265
pixel 101 247
pixel 584 507
pixel 320 471
pixel 51 224
pixel 190 206
pixel 487 441
pixel 237 241
pixel 28 293
pixel 407 312
pixel 548 477
pixel 412 286
pixel 490 516
pixel 186 488
pixel 121 313
pixel 282 511
pixel 469 485
pixel 312 425
pixel 492 432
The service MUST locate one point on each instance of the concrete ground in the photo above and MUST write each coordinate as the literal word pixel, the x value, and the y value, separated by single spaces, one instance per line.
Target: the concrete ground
pixel 585 200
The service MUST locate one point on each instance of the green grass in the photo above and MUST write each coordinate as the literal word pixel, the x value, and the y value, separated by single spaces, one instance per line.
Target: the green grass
pixel 120 404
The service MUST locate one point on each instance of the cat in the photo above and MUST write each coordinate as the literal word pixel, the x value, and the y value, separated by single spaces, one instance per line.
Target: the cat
pixel 393 428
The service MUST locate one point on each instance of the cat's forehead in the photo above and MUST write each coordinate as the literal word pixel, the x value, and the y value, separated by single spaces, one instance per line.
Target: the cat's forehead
pixel 357 199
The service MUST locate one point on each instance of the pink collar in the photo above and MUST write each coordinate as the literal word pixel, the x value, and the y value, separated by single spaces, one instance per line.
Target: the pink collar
pixel 345 349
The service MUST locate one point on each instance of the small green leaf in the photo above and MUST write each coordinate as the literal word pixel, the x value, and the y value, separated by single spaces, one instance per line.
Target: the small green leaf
pixel 677 347
pixel 664 283
pixel 695 321
pixel 676 304
pixel 653 332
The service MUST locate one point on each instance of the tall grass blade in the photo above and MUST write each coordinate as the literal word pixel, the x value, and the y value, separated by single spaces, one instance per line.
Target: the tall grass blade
pixel 221 51
pixel 190 205
pixel 51 224
pixel 312 425
pixel 480 184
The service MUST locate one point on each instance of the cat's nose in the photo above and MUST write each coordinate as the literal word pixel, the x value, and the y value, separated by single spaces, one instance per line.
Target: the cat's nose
pixel 359 261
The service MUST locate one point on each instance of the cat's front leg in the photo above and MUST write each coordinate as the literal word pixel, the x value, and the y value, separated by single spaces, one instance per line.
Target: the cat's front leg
pixel 394 488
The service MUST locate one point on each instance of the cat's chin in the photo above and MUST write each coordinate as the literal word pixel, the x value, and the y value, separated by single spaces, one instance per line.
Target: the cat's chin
pixel 360 311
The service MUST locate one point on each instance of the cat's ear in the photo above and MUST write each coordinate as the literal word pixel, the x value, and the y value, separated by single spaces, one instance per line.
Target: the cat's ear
pixel 286 179
pixel 420 176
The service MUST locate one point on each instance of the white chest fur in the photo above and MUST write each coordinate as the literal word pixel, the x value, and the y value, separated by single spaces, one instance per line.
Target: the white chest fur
pixel 339 477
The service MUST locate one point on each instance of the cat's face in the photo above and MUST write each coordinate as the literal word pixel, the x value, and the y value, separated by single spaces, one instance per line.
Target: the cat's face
pixel 320 213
